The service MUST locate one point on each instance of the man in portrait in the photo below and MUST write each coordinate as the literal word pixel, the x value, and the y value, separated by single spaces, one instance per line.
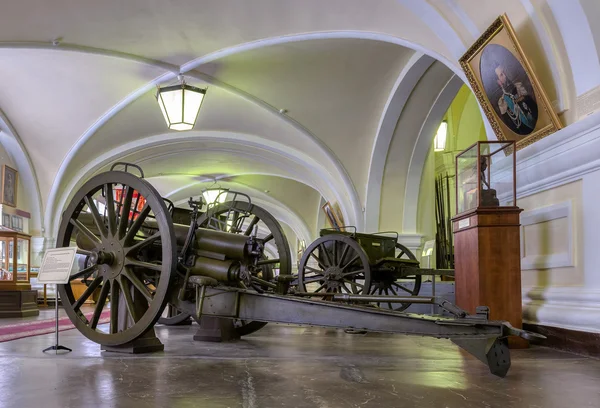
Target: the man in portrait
pixel 9 190
pixel 517 107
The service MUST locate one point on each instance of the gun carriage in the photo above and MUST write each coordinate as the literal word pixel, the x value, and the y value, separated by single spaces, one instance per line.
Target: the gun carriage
pixel 132 252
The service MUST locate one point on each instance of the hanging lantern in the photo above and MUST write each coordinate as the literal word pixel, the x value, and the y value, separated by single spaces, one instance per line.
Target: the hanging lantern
pixel 180 104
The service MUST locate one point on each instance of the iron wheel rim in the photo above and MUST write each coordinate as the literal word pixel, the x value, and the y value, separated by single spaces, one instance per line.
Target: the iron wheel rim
pixel 118 233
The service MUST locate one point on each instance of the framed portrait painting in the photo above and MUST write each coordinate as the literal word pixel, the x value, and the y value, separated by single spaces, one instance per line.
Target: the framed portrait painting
pixel 9 186
pixel 506 87
pixel 332 217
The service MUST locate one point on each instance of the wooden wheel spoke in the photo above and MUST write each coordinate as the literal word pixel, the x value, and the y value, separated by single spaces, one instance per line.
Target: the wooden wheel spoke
pixel 312 279
pixel 114 307
pixel 268 238
pixel 401 254
pixel 142 264
pixel 137 224
pixel 319 261
pixel 344 253
pixel 125 209
pixel 83 273
pixel 313 270
pixel 346 288
pixel 353 273
pixel 321 287
pixel 393 291
pixel 142 243
pixel 402 287
pixel 335 261
pixel 100 305
pixel 139 285
pixel 329 263
pixel 110 209
pixel 126 290
pixel 354 283
pixel 254 221
pixel 87 293
pixel 96 215
pixel 351 262
pixel 85 231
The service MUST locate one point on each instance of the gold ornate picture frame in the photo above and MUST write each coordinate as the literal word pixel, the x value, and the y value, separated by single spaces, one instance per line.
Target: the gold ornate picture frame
pixel 9 184
pixel 506 87
pixel 332 217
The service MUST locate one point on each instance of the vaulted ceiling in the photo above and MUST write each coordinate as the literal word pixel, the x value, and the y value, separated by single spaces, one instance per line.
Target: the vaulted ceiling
pixel 306 99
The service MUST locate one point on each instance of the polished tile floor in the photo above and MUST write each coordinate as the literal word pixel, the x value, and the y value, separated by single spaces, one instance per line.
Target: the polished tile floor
pixel 286 366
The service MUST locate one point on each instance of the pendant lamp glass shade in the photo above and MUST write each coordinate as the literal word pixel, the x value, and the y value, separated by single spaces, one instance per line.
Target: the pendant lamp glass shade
pixel 180 105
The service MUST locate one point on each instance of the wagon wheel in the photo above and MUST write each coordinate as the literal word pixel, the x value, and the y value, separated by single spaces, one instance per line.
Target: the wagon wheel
pixel 131 278
pixel 241 217
pixel 334 263
pixel 390 286
pixel 172 316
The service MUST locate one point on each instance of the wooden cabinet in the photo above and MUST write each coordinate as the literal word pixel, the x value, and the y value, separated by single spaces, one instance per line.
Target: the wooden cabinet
pixel 488 263
pixel 487 258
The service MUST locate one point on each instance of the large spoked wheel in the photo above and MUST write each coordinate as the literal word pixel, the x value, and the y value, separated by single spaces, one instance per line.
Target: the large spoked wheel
pixel 121 223
pixel 390 286
pixel 334 263
pixel 241 217
pixel 172 316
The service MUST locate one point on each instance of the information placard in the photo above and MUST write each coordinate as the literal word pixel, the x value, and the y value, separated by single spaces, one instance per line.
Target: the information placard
pixel 57 265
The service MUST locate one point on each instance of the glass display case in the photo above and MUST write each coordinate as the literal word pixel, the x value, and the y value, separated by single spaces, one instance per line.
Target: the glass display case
pixel 14 260
pixel 485 176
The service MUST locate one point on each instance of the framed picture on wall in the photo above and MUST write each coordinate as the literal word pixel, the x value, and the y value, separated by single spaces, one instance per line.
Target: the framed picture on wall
pixel 506 86
pixel 332 217
pixel 17 223
pixel 9 186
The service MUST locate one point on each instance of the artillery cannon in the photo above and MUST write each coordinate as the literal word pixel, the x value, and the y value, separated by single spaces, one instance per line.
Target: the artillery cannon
pixel 139 260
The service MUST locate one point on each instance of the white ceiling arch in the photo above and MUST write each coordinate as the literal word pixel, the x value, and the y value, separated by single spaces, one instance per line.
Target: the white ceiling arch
pixel 12 143
pixel 277 209
pixel 316 173
pixel 188 70
pixel 401 92
pixel 443 30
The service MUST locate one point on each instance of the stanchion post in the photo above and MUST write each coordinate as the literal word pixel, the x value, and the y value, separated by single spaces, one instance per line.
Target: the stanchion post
pixel 56 346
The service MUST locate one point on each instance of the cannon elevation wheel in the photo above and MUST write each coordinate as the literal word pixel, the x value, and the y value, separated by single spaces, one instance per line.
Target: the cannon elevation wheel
pixel 241 217
pixel 107 218
pixel 390 286
pixel 334 263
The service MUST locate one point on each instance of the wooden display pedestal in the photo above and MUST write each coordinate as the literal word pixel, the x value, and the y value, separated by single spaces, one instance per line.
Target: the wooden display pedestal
pixel 18 303
pixel 488 264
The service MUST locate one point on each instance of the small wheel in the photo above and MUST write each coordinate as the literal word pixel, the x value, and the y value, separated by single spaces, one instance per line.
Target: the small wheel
pixel 389 286
pixel 334 263
pixel 130 265
pixel 172 316
pixel 241 217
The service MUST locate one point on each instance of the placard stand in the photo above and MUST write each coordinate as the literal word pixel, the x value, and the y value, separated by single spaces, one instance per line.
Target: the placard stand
pixel 57 346
pixel 56 268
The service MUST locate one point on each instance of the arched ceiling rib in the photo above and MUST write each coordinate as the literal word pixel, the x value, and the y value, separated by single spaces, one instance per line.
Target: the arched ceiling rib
pixel 331 64
pixel 298 221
